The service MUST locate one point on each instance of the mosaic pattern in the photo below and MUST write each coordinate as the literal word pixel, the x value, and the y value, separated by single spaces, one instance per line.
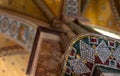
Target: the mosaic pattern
pixel 18 30
pixel 78 66
pixel 116 54
pixel 93 40
pixel 103 51
pixel 31 37
pixel 111 44
pixel 68 70
pixel 4 24
pixel 14 28
pixel 87 51
pixel 23 32
pixel 72 52
pixel 72 8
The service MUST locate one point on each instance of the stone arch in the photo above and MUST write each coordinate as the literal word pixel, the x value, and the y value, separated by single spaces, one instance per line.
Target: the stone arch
pixel 88 51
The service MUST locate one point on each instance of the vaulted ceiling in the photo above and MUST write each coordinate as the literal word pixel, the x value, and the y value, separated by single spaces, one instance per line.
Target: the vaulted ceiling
pixel 30 8
pixel 25 7
pixel 55 6
pixel 103 14
pixel 100 13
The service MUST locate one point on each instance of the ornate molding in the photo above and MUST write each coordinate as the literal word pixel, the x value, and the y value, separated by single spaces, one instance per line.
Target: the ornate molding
pixel 12 50
pixel 18 30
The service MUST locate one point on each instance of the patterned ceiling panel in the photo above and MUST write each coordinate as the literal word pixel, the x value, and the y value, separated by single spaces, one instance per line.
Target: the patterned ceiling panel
pixel 71 8
pixel 24 7
pixel 100 14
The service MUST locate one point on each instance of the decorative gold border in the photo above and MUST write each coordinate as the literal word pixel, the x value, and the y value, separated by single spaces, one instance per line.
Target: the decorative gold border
pixel 80 36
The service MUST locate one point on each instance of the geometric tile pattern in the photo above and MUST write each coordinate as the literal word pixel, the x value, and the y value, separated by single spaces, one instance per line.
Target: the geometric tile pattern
pixel 93 40
pixel 71 8
pixel 116 54
pixel 86 52
pixel 68 70
pixel 111 44
pixel 72 52
pixel 103 51
pixel 78 66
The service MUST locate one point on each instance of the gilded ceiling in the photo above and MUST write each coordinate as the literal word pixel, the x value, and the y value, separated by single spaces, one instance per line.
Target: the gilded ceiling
pixel 100 14
pixel 4 42
pixel 24 7
pixel 117 5
pixel 31 9
pixel 55 6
